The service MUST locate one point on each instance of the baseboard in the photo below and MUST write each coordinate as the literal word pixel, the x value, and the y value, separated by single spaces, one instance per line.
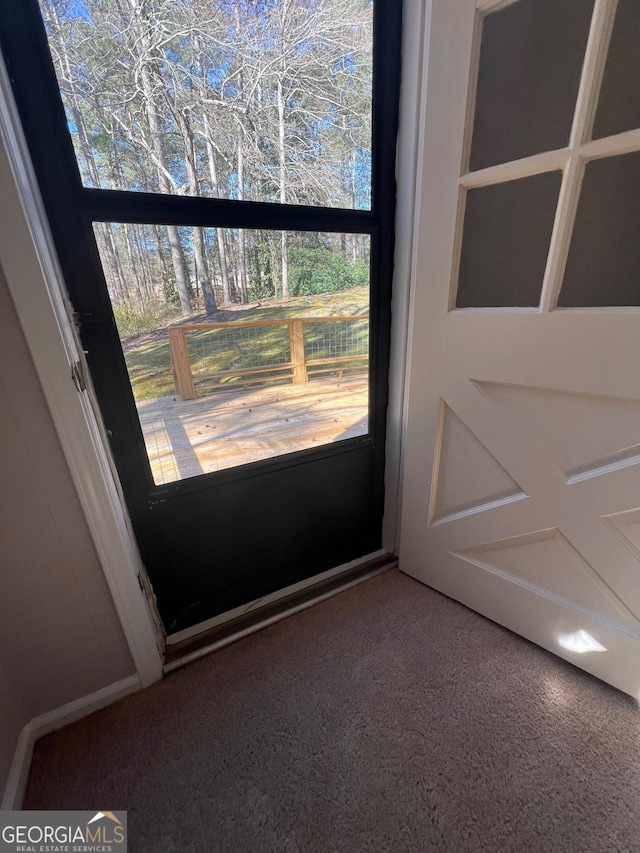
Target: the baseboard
pixel 19 770
pixel 49 722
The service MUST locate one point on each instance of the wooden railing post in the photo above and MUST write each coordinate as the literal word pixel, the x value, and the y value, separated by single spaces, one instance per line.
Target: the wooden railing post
pixel 296 343
pixel 181 365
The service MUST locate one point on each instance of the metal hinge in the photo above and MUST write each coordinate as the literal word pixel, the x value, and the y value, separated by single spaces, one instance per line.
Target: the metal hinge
pixel 77 374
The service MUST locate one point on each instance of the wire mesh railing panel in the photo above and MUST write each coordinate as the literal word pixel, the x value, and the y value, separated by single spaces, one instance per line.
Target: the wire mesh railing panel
pixel 336 339
pixel 237 348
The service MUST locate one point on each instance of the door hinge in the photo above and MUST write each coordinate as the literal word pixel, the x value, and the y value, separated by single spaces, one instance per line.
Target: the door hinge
pixel 77 374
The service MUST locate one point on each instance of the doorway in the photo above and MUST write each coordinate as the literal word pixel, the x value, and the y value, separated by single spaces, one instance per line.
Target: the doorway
pixel 247 521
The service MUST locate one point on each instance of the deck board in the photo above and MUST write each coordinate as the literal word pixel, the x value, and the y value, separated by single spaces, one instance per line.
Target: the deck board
pixel 229 428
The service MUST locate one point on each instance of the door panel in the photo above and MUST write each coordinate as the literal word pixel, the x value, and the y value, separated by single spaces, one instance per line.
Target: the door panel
pixel 524 106
pixel 522 481
pixel 295 511
pixel 619 104
pixel 505 242
pixel 604 255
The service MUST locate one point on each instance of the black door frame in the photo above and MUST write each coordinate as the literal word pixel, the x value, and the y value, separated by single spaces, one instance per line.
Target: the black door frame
pixel 72 208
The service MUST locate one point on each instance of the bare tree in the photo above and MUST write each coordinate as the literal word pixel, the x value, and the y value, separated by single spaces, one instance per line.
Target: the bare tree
pixel 235 98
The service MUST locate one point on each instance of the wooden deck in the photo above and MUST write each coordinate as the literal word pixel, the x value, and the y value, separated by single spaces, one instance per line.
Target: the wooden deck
pixel 228 428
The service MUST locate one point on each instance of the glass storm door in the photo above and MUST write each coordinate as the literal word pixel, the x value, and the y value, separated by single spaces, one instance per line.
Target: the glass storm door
pixel 219 179
pixel 522 482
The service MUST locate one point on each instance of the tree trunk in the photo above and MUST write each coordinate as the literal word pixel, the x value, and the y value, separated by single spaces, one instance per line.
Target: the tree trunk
pixel 134 268
pixel 163 260
pixel 283 192
pixel 220 237
pixel 113 263
pixel 202 268
pixel 179 269
pixel 158 147
pixel 203 274
pixel 242 263
pixel 145 265
pixel 354 237
pixel 114 268
pixel 136 258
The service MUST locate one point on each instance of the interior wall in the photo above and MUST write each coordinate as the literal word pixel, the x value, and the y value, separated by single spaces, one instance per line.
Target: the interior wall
pixel 60 636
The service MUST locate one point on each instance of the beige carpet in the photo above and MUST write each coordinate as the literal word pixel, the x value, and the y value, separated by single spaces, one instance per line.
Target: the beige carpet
pixel 388 718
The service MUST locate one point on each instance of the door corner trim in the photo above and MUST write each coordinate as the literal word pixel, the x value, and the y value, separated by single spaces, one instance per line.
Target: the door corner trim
pixel 34 280
pixel 415 34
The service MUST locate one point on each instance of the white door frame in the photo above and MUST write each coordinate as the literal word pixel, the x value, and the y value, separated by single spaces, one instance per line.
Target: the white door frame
pixel 416 21
pixel 34 279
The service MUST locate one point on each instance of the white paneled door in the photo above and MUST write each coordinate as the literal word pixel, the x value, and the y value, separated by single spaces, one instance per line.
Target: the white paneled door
pixel 522 478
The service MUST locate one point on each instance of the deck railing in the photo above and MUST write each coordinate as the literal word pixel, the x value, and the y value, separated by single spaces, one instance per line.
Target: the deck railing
pixel 262 351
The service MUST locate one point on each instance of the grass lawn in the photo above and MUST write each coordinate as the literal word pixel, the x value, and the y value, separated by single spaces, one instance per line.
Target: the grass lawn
pixel 147 355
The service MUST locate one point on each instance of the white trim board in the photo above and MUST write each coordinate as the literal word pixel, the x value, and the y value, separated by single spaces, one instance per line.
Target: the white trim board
pixel 51 721
pixel 34 279
pixel 415 17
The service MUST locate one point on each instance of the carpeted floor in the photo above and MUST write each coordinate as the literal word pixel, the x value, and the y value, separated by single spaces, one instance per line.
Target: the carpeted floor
pixel 388 718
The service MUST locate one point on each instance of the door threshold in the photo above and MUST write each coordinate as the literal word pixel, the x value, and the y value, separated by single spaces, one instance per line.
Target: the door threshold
pixel 181 650
pixel 251 607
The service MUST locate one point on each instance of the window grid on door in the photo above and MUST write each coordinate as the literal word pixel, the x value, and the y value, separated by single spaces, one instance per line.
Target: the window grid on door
pixel 571 160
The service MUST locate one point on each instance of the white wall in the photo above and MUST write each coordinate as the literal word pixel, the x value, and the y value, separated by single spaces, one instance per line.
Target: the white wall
pixel 60 636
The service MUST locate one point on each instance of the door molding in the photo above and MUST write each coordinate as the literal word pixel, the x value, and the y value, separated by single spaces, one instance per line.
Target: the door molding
pixel 416 16
pixel 34 279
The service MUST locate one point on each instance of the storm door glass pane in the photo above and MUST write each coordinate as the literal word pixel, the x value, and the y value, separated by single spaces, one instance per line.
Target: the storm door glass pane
pixel 530 61
pixel 505 242
pixel 240 345
pixel 603 267
pixel 619 103
pixel 266 101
